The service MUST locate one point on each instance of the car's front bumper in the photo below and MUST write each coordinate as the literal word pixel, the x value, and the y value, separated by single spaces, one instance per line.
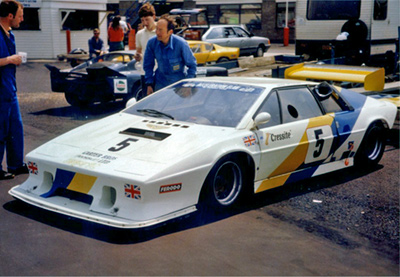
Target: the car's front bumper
pixel 82 210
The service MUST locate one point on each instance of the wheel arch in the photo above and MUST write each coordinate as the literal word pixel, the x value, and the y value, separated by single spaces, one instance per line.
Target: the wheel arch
pixel 246 161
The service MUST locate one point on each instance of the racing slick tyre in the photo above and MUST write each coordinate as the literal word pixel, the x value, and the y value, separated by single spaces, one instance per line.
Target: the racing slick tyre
pixel 372 146
pixel 75 101
pixel 223 186
pixel 259 52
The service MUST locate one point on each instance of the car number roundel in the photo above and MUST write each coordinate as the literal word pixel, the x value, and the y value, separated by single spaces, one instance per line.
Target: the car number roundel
pixel 320 143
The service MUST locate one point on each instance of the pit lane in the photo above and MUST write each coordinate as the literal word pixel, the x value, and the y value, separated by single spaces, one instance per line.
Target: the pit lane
pixel 344 223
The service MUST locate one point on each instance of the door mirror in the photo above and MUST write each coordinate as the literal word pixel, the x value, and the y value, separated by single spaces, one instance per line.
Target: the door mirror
pixel 262 118
pixel 131 102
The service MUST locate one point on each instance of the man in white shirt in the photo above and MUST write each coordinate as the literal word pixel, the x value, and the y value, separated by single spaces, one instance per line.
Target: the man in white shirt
pixel 147 16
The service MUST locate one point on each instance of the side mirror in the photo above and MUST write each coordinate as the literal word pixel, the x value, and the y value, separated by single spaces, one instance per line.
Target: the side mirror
pixel 130 102
pixel 262 118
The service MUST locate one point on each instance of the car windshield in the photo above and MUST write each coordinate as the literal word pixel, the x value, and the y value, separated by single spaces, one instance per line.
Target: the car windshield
pixel 216 104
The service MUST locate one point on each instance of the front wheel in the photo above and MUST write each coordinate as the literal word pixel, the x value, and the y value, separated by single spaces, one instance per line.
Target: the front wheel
pixel 223 185
pixel 259 52
pixel 372 146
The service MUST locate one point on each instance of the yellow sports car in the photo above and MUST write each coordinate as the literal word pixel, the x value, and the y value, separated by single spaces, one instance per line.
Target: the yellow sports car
pixel 206 52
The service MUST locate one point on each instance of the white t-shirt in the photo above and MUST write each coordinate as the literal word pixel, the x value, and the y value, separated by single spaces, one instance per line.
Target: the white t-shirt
pixel 142 37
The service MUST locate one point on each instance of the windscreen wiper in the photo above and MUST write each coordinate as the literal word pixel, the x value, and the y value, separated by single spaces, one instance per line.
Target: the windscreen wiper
pixel 155 113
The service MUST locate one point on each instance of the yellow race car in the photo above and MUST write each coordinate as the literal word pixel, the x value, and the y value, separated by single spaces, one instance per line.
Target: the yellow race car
pixel 207 53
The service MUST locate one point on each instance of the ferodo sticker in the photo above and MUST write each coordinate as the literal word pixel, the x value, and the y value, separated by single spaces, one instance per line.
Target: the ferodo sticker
pixel 170 188
pixel 120 86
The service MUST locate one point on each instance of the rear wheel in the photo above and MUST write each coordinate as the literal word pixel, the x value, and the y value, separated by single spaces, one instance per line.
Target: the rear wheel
pixel 372 146
pixel 223 60
pixel 75 101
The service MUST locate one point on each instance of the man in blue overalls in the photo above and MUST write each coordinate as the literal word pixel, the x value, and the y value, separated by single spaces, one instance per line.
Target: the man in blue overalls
pixel 11 131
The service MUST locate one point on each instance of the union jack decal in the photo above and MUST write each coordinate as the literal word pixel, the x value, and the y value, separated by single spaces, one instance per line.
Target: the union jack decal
pixel 33 169
pixel 249 140
pixel 132 191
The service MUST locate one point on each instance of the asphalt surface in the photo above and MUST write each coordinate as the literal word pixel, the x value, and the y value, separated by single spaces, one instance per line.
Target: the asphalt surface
pixel 344 223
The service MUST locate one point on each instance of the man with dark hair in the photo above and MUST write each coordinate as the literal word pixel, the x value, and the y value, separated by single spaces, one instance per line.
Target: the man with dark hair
pixel 11 131
pixel 172 54
pixel 147 15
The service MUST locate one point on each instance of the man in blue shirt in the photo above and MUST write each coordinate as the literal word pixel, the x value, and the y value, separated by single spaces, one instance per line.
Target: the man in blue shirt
pixel 11 132
pixel 96 45
pixel 172 54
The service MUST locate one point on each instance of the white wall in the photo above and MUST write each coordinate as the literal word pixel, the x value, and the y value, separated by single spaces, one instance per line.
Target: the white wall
pixel 50 40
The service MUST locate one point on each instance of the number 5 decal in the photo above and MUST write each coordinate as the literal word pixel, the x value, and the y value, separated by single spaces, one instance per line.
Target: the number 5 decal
pixel 319 143
pixel 122 145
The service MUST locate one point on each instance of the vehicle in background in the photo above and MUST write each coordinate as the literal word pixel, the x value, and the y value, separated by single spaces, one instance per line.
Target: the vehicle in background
pixel 230 36
pixel 365 31
pixel 209 53
pixel 109 77
pixel 194 25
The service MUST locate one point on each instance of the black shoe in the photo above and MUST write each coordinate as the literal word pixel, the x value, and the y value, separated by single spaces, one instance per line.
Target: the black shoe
pixel 20 170
pixel 6 175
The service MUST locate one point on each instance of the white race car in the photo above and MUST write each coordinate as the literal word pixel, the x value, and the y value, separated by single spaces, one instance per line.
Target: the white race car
pixel 203 142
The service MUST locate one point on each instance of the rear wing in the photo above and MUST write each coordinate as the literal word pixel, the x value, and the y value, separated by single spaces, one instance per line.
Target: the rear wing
pixel 373 78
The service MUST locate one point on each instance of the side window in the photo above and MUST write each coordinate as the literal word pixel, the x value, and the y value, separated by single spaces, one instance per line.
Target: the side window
pixel 271 106
pixel 195 48
pixel 229 33
pixel 330 105
pixel 216 33
pixel 298 104
pixel 209 47
pixel 240 32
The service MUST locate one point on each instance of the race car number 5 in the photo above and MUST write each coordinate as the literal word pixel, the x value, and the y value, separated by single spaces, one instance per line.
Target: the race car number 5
pixel 122 145
pixel 319 143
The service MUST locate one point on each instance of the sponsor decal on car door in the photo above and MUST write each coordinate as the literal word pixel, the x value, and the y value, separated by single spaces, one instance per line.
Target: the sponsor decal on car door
pixel 291 147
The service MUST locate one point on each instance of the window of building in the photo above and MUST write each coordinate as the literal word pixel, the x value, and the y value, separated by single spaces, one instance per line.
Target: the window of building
pixel 281 15
pixel 77 20
pixel 31 20
pixel 380 9
pixel 250 15
pixel 247 14
pixel 333 9
pixel 229 14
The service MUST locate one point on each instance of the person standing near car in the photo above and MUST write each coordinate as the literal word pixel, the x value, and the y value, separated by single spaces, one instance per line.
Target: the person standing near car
pixel 172 54
pixel 147 15
pixel 116 35
pixel 96 45
pixel 11 129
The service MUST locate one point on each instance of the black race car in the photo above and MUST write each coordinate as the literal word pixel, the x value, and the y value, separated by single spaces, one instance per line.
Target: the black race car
pixel 109 77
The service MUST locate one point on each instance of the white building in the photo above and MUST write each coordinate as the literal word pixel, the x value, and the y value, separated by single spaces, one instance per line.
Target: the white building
pixel 43 33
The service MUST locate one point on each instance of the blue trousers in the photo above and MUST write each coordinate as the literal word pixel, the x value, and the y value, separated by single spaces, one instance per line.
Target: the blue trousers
pixel 11 134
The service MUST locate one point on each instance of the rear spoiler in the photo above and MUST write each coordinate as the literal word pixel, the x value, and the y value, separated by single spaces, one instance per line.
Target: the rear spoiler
pixel 373 78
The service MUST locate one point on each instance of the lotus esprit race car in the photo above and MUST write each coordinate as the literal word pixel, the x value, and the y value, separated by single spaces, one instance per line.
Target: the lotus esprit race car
pixel 203 142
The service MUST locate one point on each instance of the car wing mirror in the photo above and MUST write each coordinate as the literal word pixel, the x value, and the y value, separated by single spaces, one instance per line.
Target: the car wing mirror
pixel 261 118
pixel 131 102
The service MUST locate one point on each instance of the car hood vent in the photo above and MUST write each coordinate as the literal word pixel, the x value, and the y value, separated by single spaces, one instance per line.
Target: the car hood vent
pixel 145 133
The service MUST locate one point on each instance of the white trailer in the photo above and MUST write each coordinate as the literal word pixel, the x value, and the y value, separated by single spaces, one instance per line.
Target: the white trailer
pixel 372 27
